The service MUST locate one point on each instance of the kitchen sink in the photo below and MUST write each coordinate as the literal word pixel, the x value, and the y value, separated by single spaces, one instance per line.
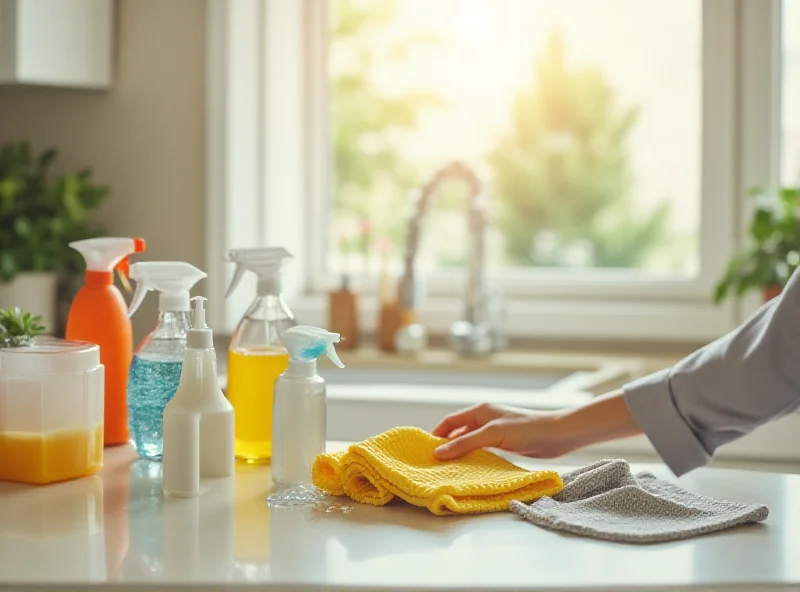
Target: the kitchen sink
pixel 435 379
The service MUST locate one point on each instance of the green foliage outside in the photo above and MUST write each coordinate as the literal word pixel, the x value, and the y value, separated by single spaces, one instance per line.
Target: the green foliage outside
pixel 564 168
pixel 773 250
pixel 39 217
pixel 562 171
pixel 372 179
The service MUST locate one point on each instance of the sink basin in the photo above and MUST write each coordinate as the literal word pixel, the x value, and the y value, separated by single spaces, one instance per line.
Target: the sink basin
pixel 376 391
pixel 366 401
pixel 442 378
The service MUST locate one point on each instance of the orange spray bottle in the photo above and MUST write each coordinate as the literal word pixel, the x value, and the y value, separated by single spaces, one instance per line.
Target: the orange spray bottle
pixel 99 315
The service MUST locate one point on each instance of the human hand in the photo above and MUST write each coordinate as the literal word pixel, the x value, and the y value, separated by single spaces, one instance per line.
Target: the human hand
pixel 531 433
pixel 539 434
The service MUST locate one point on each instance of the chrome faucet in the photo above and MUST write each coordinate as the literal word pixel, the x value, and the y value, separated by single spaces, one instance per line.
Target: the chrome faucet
pixel 480 331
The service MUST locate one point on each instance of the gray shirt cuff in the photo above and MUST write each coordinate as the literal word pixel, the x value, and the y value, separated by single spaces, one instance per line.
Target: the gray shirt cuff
pixel 652 406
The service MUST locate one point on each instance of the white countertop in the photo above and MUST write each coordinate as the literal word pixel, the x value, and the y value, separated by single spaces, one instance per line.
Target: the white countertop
pixel 116 528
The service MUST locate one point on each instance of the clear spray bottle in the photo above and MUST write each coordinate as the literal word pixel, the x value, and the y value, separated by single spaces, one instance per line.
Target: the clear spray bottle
pixel 156 367
pixel 300 405
pixel 256 356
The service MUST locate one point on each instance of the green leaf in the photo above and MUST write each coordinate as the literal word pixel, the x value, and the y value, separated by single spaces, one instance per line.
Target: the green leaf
pixel 10 187
pixel 71 198
pixel 22 226
pixel 762 226
pixel 47 157
pixel 790 196
pixel 18 328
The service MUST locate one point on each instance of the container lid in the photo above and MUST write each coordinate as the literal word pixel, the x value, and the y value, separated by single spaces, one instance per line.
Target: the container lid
pixel 48 355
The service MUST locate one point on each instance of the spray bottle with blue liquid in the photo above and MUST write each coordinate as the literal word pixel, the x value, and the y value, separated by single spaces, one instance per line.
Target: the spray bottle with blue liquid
pixel 299 428
pixel 155 372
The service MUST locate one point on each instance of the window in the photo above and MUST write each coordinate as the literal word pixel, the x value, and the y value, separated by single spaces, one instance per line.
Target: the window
pixel 591 152
pixel 615 139
pixel 790 116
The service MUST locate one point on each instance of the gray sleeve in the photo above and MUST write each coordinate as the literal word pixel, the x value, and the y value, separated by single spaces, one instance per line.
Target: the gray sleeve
pixel 724 390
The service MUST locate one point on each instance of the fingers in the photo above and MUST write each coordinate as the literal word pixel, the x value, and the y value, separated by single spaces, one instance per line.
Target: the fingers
pixel 458 432
pixel 466 418
pixel 483 437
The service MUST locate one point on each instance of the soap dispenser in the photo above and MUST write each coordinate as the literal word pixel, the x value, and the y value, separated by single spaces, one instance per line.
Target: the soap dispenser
pixel 256 356
pixel 156 367
pixel 198 421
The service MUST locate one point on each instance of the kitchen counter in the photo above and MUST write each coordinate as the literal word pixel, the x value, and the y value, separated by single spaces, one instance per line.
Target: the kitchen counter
pixel 117 529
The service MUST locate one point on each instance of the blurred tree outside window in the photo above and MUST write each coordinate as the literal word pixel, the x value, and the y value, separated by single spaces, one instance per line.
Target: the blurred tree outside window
pixel 591 151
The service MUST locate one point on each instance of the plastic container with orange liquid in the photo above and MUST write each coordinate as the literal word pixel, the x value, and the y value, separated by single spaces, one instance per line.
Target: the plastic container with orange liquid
pixel 256 356
pixel 51 411
pixel 99 315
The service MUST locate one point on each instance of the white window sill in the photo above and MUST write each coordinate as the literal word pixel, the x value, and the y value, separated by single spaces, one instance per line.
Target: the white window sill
pixel 619 320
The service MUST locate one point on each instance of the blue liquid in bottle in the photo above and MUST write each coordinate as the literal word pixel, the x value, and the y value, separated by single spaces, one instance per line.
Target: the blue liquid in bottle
pixel 151 385
pixel 153 378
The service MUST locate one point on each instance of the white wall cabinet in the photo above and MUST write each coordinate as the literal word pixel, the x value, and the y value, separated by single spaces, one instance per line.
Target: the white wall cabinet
pixel 62 43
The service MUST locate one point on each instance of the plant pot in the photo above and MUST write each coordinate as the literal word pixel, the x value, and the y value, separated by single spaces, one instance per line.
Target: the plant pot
pixel 33 292
pixel 772 291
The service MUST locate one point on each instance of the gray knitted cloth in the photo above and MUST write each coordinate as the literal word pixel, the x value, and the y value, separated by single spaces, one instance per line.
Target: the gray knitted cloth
pixel 606 501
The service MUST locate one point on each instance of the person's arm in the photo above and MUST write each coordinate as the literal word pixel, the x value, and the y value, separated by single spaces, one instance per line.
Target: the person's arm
pixel 540 434
pixel 724 390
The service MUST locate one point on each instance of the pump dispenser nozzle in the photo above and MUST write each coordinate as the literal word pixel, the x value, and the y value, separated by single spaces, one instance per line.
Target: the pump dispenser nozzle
pixel 172 279
pixel 199 336
pixel 266 262
pixel 199 313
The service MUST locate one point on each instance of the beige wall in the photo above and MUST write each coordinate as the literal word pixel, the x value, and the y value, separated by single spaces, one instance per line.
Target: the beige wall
pixel 145 137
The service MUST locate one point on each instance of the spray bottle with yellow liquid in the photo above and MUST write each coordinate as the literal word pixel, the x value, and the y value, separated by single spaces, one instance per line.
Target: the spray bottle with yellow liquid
pixel 256 357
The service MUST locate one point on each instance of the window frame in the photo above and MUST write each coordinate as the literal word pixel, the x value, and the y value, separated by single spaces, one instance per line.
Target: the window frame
pixel 268 179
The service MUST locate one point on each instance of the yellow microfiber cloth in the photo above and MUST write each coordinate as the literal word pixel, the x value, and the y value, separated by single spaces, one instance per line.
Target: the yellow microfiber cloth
pixel 400 462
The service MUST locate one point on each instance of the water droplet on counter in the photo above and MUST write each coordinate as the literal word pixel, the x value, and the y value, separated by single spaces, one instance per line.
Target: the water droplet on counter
pixel 332 507
pixel 301 496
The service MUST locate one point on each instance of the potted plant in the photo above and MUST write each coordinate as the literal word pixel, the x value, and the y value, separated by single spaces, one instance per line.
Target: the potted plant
pixel 39 217
pixel 18 328
pixel 773 250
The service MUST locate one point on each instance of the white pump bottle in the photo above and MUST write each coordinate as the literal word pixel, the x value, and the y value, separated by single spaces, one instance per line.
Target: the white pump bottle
pixel 198 421
pixel 300 414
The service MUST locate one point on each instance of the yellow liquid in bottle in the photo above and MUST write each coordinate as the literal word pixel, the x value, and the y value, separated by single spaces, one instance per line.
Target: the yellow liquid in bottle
pixel 251 391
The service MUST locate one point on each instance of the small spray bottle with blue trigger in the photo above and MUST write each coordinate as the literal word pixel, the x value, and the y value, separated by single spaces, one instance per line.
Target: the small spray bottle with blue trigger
pixel 300 412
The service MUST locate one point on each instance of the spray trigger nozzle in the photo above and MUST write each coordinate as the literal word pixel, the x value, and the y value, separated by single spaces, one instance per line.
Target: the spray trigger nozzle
pixel 172 279
pixel 306 344
pixel 266 262
pixel 331 351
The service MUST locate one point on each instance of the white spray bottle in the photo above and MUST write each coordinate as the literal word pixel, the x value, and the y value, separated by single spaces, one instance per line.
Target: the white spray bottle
pixel 299 428
pixel 198 421
pixel 156 367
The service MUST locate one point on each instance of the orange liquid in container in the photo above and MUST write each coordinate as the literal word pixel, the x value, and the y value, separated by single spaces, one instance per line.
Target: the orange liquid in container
pixel 51 411
pixel 45 458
